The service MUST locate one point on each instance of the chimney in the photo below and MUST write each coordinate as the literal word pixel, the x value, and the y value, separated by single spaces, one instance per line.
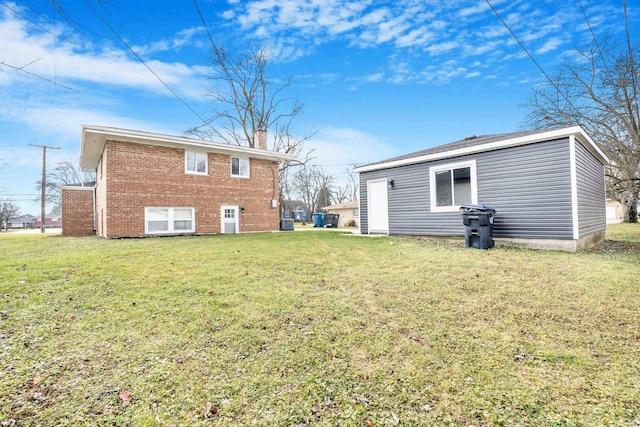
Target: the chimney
pixel 260 139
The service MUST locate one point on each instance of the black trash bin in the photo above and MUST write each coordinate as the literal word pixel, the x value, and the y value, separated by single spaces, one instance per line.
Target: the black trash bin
pixel 334 220
pixel 478 226
pixel 328 220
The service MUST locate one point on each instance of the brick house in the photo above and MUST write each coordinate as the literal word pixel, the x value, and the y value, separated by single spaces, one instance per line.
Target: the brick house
pixel 149 184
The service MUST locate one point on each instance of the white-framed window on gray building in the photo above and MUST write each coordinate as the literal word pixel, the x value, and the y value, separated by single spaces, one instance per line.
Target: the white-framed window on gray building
pixel 453 185
pixel 195 162
pixel 240 167
pixel 161 220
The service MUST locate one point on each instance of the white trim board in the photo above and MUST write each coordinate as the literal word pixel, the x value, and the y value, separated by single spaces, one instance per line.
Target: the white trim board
pixel 575 131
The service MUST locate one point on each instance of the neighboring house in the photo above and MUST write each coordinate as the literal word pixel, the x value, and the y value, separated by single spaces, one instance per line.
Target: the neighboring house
pixel 615 212
pixel 348 211
pixel 296 210
pixel 547 187
pixel 50 221
pixel 23 221
pixel 149 184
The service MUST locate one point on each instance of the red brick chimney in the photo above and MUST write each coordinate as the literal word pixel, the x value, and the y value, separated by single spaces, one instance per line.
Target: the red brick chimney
pixel 260 139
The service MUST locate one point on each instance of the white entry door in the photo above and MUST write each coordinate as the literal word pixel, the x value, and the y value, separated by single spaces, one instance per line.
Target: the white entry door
pixel 229 219
pixel 378 206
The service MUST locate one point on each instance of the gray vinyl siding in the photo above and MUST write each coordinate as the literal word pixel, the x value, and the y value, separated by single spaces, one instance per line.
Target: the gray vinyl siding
pixel 529 186
pixel 592 216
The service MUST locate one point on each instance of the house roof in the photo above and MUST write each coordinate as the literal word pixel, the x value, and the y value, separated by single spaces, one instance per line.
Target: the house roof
pixel 352 204
pixel 87 185
pixel 479 144
pixel 93 138
pixel 23 218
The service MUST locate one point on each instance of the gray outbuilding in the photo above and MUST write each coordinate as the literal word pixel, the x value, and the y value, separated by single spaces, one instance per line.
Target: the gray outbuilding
pixel 547 187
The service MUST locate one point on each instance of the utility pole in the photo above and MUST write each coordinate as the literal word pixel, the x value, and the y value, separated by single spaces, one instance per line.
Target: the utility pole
pixel 43 182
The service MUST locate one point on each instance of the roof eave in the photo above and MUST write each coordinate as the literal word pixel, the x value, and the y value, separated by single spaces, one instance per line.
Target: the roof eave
pixel 92 141
pixel 576 131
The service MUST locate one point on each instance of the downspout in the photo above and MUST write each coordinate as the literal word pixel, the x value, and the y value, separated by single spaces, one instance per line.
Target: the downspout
pixel 95 219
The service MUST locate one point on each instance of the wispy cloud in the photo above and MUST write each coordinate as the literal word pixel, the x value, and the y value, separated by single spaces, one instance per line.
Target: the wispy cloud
pixel 188 37
pixel 466 29
pixel 75 64
pixel 550 45
pixel 98 72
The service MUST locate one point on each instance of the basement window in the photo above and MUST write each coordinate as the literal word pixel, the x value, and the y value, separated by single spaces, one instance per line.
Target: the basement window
pixel 159 220
pixel 453 185
pixel 240 167
pixel 195 162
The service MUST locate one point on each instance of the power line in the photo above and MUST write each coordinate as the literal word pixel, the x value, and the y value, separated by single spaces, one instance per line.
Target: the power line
pixel 37 75
pixel 35 23
pixel 22 68
pixel 634 77
pixel 206 27
pixel 530 56
pixel 143 62
pixel 584 13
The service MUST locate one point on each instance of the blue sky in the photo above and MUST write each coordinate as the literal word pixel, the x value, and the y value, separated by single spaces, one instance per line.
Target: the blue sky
pixel 377 78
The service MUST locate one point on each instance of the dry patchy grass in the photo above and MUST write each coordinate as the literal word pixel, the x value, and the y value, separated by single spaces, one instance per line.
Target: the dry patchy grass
pixel 317 328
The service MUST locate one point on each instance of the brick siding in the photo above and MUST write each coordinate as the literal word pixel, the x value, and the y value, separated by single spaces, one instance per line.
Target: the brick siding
pixel 131 177
pixel 77 211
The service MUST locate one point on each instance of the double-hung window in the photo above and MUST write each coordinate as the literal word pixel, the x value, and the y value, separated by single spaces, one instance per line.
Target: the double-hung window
pixel 240 167
pixel 453 185
pixel 159 220
pixel 195 162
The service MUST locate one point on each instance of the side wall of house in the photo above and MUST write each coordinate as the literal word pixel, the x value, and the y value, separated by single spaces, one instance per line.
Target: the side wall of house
pixel 592 211
pixel 77 211
pixel 140 176
pixel 529 186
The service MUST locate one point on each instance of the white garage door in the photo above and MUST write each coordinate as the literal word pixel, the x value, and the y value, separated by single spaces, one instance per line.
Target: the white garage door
pixel 378 206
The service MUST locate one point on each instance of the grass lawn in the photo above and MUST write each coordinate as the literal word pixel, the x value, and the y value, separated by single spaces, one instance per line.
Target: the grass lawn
pixel 317 328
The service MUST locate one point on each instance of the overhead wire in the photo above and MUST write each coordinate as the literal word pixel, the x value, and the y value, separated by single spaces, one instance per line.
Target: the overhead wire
pixel 25 17
pixel 213 45
pixel 206 27
pixel 529 54
pixel 22 68
pixel 634 76
pixel 593 35
pixel 143 62
pixel 38 76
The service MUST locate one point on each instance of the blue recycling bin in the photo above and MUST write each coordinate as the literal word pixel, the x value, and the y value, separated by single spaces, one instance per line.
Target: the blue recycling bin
pixel 318 220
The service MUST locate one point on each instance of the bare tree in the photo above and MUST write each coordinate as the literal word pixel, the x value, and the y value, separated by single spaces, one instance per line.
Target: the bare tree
pixel 342 193
pixel 65 173
pixel 247 100
pixel 354 182
pixel 243 100
pixel 348 191
pixel 8 210
pixel 313 186
pixel 599 91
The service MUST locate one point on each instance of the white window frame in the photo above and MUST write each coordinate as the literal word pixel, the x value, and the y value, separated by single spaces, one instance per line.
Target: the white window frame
pixel 471 164
pixel 198 154
pixel 170 220
pixel 240 161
